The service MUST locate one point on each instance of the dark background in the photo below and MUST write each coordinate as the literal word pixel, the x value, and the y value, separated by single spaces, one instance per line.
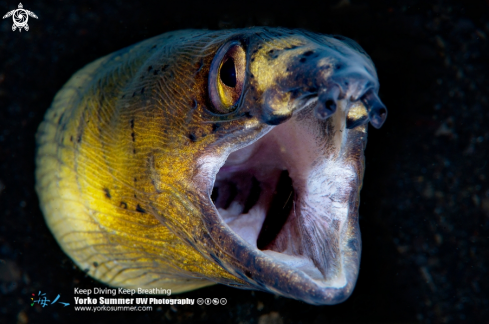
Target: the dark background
pixel 425 201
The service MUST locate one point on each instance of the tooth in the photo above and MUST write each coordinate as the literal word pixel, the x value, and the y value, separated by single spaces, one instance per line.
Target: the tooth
pixel 326 105
pixel 377 113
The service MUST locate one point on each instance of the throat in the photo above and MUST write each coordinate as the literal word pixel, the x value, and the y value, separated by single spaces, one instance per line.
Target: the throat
pixel 256 205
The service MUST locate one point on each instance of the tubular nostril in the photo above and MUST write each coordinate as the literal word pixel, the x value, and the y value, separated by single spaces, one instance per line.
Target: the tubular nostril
pixel 326 105
pixel 377 116
pixel 377 113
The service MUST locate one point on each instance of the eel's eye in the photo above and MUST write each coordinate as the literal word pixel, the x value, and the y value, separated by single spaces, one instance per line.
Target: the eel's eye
pixel 226 77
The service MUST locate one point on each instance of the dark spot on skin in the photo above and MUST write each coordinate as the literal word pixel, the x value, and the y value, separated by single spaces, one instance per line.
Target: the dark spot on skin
pixel 339 66
pixel 86 270
pixel 142 90
pixel 134 151
pixel 248 114
pixel 60 118
pixel 155 72
pixel 135 179
pixel 215 127
pixel 133 137
pixel 352 244
pixel 308 53
pixel 251 75
pixel 132 123
pixel 164 67
pixel 71 138
pixel 95 264
pixel 152 48
pixel 79 139
pixel 270 51
pixel 140 209
pixel 254 52
pixel 253 60
pixel 312 89
pixel 123 205
pixel 248 274
pixel 123 96
pixel 134 94
pixel 107 193
pixel 150 68
pixel 302 60
pixel 216 259
pixel 192 137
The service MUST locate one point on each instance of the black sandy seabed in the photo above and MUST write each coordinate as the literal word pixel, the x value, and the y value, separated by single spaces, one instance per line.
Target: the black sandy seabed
pixel 424 204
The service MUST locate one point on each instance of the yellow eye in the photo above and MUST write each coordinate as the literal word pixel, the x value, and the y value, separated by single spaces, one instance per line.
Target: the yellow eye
pixel 226 78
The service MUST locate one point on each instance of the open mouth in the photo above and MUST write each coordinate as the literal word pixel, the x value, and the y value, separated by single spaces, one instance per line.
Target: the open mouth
pixel 289 196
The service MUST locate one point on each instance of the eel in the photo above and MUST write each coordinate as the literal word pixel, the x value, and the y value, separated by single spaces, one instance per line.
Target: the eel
pixel 199 157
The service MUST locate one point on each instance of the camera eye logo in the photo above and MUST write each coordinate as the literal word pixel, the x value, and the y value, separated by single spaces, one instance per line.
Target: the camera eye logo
pixel 20 17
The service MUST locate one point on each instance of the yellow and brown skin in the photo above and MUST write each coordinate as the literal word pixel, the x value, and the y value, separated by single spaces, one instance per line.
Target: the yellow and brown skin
pixel 129 151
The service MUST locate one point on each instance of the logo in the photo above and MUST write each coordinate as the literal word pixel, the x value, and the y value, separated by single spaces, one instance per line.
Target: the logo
pixel 20 17
pixel 209 301
pixel 44 301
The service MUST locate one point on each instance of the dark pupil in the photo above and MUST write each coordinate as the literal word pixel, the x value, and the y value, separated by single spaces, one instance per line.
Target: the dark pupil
pixel 228 73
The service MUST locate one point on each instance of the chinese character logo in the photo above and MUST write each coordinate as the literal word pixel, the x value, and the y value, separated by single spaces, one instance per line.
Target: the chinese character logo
pixel 44 301
pixel 20 17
